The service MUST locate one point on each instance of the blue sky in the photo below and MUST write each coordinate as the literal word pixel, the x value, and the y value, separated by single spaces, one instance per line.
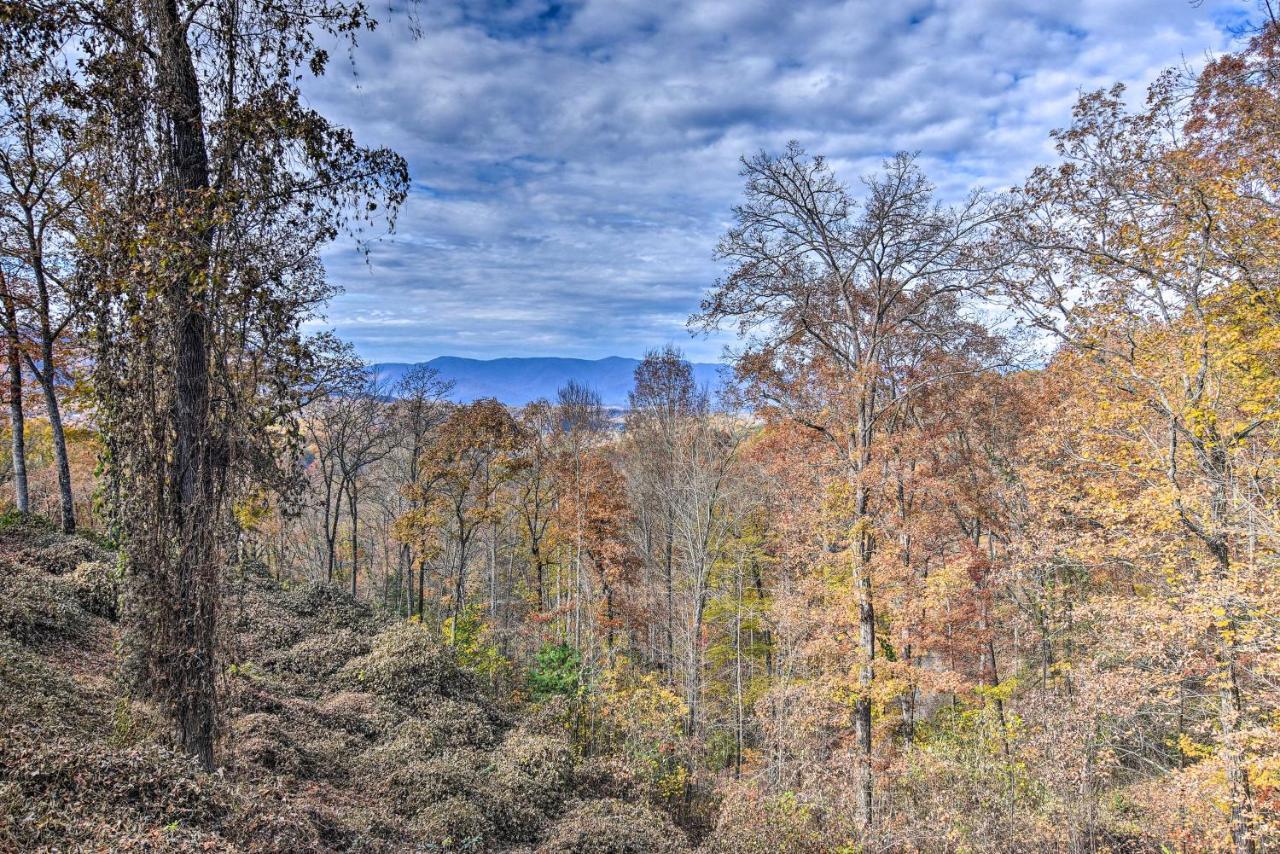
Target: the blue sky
pixel 574 163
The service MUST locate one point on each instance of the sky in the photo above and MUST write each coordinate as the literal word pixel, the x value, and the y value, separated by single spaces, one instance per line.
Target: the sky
pixel 573 164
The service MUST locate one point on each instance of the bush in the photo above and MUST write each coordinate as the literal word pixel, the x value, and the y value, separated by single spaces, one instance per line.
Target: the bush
pixel 97 588
pixel 320 656
pixel 609 777
pixel 37 697
pixel 454 824
pixel 35 607
pixel 262 740
pixel 611 826
pixel 329 604
pixel 415 784
pixel 445 724
pixel 531 778
pixel 557 671
pixel 56 795
pixel 38 542
pixel 352 712
pixel 408 664
pixel 146 783
pixel 751 823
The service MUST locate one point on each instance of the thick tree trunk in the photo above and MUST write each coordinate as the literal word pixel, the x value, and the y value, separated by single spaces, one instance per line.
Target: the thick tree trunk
pixel 189 665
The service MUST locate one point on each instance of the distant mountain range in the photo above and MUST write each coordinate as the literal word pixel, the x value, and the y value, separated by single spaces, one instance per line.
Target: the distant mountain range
pixel 518 381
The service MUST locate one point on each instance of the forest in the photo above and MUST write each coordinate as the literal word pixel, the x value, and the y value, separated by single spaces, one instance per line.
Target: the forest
pixel 974 550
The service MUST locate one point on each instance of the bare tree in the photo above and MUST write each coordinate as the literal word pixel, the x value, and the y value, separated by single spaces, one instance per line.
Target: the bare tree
pixel 39 158
pixel 840 303
pixel 665 397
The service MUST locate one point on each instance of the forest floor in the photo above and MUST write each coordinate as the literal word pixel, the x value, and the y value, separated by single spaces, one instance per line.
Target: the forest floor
pixel 340 730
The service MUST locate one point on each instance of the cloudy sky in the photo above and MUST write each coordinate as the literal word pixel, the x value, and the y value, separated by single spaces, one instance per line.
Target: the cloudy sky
pixel 574 163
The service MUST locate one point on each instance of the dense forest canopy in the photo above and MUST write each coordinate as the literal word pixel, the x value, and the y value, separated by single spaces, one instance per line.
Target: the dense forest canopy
pixel 977 551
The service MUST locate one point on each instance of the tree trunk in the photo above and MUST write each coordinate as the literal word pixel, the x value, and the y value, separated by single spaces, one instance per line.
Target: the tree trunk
pixel 66 497
pixel 17 420
pixel 353 504
pixel 189 612
pixel 865 546
pixel 46 374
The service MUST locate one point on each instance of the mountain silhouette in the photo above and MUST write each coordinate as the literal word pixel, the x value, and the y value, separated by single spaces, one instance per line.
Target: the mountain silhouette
pixel 517 381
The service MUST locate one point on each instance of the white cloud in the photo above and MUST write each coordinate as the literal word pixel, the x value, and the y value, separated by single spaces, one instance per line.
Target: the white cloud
pixel 575 163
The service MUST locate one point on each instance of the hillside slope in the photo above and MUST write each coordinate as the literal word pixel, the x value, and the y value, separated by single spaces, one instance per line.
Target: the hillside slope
pixel 342 731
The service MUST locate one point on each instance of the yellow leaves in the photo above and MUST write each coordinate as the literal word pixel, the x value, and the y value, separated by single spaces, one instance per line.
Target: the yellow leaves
pixel 1193 749
pixel 1002 692
pixel 251 511
pixel 672 784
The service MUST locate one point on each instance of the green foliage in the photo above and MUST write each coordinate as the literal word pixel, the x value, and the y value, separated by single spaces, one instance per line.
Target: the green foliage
pixel 557 671
pixel 473 643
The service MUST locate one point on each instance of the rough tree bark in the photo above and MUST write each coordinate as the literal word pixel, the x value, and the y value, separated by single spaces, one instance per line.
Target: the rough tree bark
pixel 191 587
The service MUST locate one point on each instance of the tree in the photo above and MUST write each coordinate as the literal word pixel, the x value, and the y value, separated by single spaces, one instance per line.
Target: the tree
pixel 1148 253
pixel 663 400
pixel 474 454
pixel 419 409
pixel 840 307
pixel 364 441
pixel 210 188
pixel 17 417
pixel 41 155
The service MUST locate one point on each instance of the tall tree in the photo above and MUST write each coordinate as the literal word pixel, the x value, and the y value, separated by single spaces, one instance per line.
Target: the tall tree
pixel 1150 258
pixel 664 399
pixel 475 453
pixel 420 408
pixel 41 156
pixel 210 189
pixel 838 303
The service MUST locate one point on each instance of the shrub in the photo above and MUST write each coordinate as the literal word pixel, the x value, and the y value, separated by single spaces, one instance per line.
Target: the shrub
pixel 531 778
pixel 407 664
pixel 262 740
pixel 557 671
pixel 146 781
pixel 56 795
pixel 97 588
pixel 37 541
pixel 609 777
pixel 415 784
pixel 329 604
pixel 751 823
pixel 454 824
pixel 36 607
pixel 444 723
pixel 37 697
pixel 320 656
pixel 611 826
pixel 62 553
pixel 352 712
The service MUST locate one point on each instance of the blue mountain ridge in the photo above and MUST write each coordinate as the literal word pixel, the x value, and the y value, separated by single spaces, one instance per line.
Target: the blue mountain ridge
pixel 517 381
